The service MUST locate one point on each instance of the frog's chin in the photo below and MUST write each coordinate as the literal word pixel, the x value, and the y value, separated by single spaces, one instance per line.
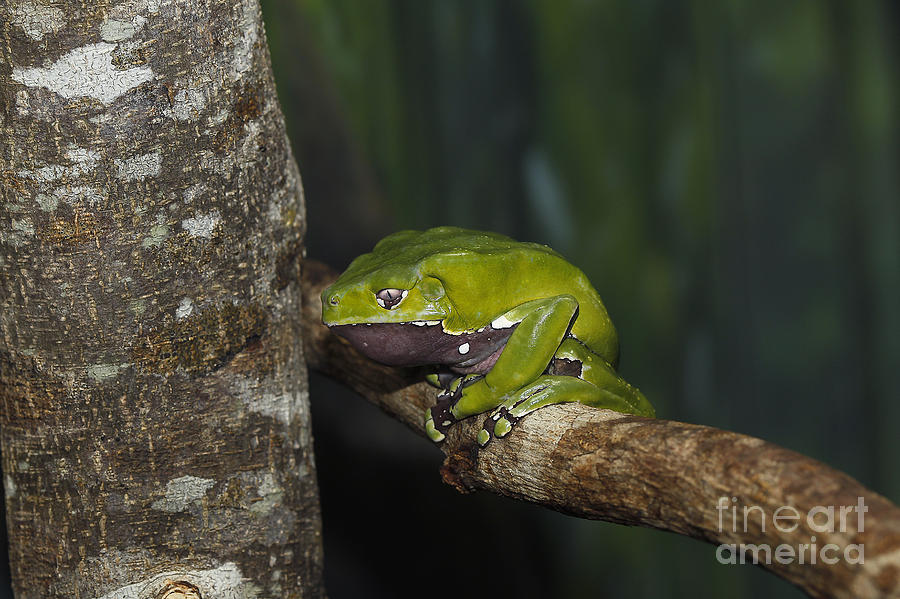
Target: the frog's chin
pixel 418 323
pixel 414 344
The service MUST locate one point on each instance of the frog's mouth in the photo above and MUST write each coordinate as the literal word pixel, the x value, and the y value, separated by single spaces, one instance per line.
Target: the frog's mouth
pixel 414 344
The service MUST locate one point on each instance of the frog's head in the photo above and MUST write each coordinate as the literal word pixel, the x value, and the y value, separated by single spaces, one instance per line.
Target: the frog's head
pixel 400 303
pixel 394 294
pixel 386 308
pixel 388 303
pixel 386 285
pixel 391 284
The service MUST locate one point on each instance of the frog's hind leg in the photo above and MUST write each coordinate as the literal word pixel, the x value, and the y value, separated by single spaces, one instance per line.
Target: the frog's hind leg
pixel 583 377
pixel 542 326
pixel 546 390
pixel 574 358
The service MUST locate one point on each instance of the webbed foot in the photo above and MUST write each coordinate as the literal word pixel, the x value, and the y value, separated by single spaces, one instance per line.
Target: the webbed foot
pixel 498 425
pixel 545 390
pixel 439 418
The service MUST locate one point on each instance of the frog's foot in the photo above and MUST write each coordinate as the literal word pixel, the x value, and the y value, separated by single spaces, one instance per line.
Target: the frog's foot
pixel 497 425
pixel 442 379
pixel 439 418
pixel 544 391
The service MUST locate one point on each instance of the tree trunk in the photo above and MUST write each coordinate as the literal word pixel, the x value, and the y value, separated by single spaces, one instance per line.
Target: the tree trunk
pixel 155 422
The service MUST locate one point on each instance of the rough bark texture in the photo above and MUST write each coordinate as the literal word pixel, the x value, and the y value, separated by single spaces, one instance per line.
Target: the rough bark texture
pixel 662 474
pixel 155 422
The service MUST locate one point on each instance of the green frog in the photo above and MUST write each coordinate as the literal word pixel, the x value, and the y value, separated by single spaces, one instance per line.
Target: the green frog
pixel 510 326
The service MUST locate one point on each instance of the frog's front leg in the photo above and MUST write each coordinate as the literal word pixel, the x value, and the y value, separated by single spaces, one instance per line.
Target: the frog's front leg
pixel 442 379
pixel 438 418
pixel 542 325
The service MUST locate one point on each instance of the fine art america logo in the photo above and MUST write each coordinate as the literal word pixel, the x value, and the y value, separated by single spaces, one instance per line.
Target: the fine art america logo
pixel 820 519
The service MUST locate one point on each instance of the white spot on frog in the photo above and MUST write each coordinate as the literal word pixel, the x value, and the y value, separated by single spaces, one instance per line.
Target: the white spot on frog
pixel 87 71
pixel 212 162
pixel 36 19
pixel 223 582
pixel 502 322
pixel 182 492
pixel 140 166
pixel 115 30
pixel 202 225
pixel 10 486
pixel 184 309
pixel 464 348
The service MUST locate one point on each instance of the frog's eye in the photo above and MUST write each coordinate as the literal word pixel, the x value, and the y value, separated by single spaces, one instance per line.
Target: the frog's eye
pixel 388 298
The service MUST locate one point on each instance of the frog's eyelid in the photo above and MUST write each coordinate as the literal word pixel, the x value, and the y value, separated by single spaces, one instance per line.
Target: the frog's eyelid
pixel 389 298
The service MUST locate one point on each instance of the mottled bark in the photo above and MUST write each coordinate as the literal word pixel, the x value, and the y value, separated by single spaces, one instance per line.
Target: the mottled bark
pixel 657 473
pixel 155 422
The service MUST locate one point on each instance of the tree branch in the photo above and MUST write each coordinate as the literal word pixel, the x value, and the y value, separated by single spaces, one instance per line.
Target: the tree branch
pixel 603 465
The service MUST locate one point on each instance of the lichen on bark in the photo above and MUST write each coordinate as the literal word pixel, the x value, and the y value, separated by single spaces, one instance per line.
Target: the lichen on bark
pixel 154 409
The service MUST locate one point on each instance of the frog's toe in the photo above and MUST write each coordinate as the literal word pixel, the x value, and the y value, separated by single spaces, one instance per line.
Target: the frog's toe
pixel 439 418
pixel 484 436
pixel 442 417
pixel 504 425
pixel 442 379
pixel 490 424
pixel 501 421
pixel 502 428
pixel 433 433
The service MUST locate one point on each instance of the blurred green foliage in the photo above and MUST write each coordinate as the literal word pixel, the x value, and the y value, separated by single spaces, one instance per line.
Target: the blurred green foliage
pixel 725 172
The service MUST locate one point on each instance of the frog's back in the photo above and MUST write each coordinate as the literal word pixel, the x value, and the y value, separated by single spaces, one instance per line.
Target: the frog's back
pixel 419 245
pixel 486 274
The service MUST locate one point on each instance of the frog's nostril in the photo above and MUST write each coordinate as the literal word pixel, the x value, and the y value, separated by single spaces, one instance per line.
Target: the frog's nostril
pixel 333 300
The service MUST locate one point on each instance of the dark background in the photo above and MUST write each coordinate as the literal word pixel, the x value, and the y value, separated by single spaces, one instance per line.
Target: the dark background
pixel 725 173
